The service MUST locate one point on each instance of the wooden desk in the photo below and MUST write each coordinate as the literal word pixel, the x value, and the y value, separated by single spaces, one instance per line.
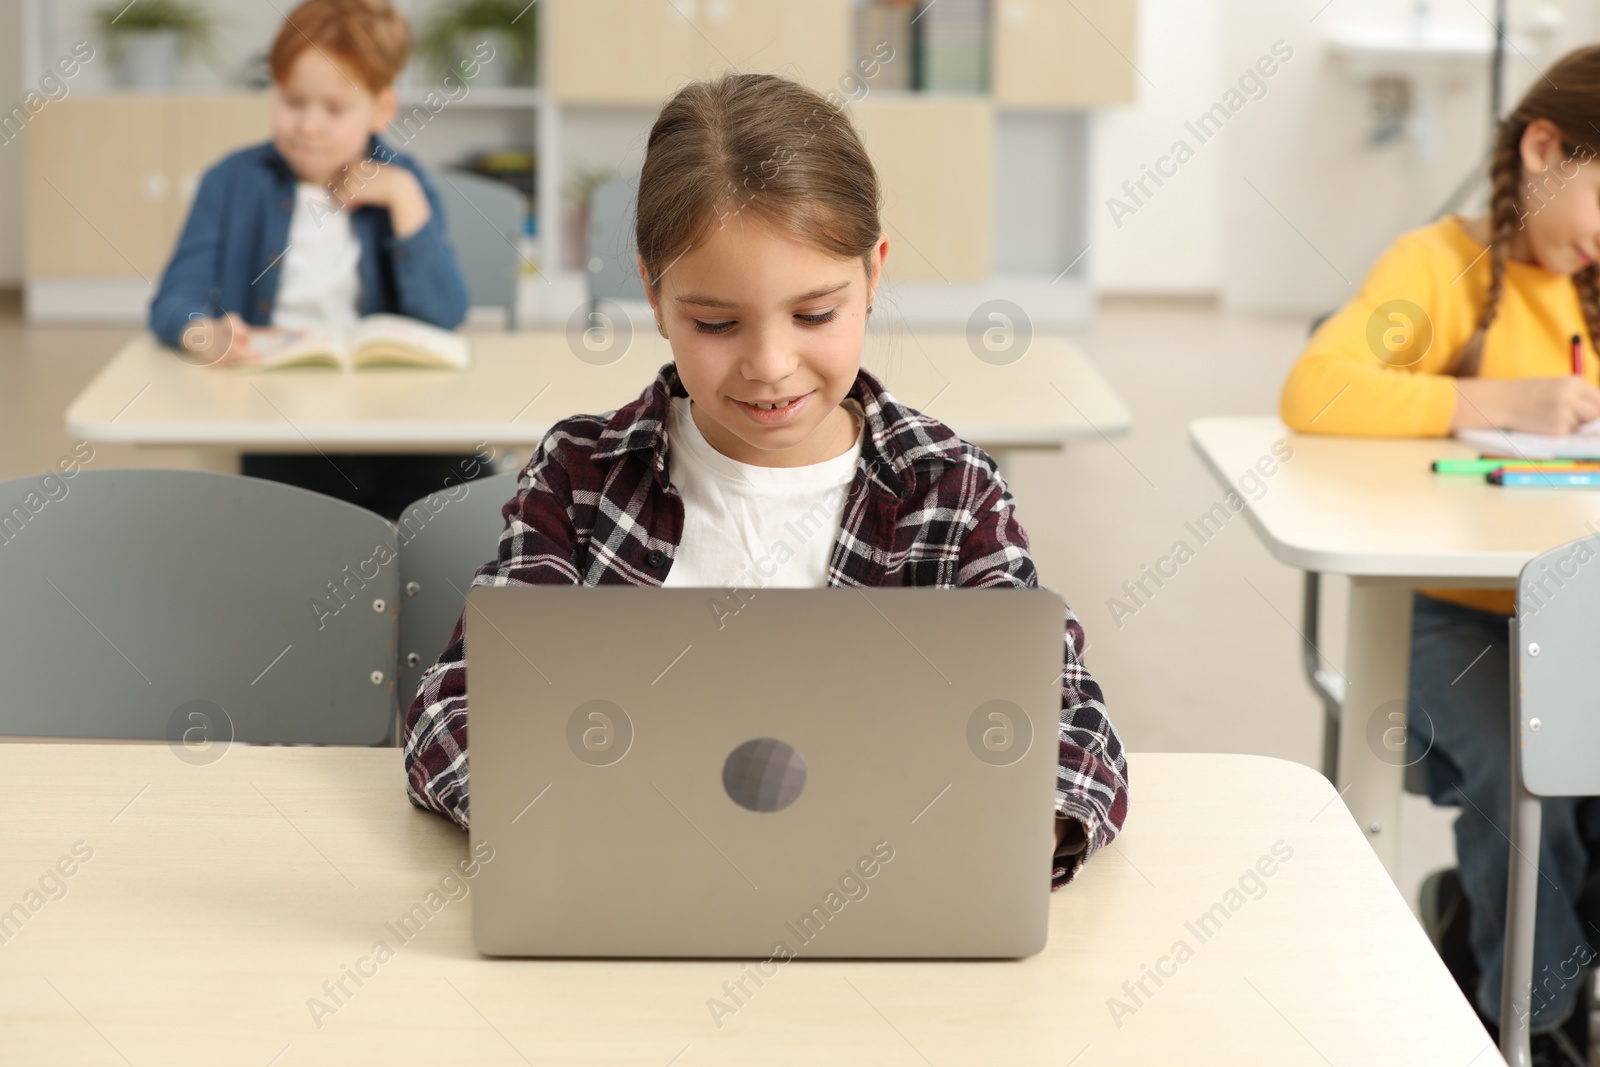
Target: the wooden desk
pixel 522 383
pixel 1370 508
pixel 220 898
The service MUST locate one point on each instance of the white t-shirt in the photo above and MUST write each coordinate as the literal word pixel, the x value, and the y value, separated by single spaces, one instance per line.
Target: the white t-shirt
pixel 319 283
pixel 754 527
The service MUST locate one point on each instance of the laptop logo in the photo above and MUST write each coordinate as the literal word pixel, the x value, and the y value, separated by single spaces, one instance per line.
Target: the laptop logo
pixel 764 774
pixel 999 733
pixel 599 732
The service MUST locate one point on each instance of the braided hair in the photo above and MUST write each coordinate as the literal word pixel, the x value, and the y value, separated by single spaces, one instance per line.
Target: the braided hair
pixel 1566 96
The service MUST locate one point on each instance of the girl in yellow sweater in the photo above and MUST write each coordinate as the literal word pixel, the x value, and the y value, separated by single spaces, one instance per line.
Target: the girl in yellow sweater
pixel 1470 323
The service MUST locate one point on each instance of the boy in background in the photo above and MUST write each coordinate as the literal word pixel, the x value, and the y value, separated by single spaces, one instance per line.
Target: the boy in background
pixel 319 226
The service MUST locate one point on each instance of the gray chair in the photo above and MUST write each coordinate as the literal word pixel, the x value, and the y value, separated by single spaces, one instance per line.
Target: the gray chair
pixel 484 218
pixel 442 544
pixel 1555 739
pixel 609 249
pixel 195 608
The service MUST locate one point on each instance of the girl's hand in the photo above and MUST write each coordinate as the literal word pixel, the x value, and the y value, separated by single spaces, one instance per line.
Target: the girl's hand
pixel 219 342
pixel 1071 832
pixel 391 187
pixel 1533 405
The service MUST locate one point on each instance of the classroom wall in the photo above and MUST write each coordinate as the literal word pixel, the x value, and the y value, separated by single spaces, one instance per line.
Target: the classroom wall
pixel 1285 208
pixel 1173 242
pixel 1308 202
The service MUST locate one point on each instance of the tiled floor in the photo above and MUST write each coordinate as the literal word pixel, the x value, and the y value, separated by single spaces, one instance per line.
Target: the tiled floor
pixel 1210 664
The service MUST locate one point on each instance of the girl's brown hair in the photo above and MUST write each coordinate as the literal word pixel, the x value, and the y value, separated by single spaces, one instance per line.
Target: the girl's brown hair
pixel 1566 96
pixel 761 144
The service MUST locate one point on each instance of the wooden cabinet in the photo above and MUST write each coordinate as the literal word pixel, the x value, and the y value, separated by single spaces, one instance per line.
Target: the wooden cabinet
pixel 809 42
pixel 618 51
pixel 204 129
pixel 934 156
pixel 639 51
pixel 110 178
pixel 97 188
pixel 1064 53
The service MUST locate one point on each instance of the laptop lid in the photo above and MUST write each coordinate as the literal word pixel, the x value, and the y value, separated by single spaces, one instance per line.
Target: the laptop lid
pixel 824 772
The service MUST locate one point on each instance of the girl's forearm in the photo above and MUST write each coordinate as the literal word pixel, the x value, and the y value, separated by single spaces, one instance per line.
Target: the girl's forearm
pixel 1479 404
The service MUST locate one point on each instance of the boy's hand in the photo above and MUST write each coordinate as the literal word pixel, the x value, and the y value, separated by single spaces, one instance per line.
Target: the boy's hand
pixel 1533 405
pixel 219 342
pixel 392 187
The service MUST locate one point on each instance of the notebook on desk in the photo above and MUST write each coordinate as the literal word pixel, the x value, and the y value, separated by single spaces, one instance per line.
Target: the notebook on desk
pixel 1583 444
pixel 795 773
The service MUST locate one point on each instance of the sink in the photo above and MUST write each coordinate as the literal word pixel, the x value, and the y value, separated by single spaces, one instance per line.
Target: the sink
pixel 1444 52
pixel 1408 68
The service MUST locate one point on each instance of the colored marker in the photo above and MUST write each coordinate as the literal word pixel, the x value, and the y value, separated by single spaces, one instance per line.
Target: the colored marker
pixel 1503 460
pixel 1550 479
pixel 1484 466
pixel 1571 468
pixel 1577 355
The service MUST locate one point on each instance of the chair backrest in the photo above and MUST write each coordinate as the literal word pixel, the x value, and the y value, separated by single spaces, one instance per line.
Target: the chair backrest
pixel 609 248
pixel 1558 670
pixel 1553 734
pixel 443 541
pixel 147 604
pixel 484 218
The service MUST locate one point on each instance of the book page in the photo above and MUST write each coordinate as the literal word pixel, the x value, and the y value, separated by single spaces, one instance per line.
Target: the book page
pixel 297 347
pixel 1583 444
pixel 401 340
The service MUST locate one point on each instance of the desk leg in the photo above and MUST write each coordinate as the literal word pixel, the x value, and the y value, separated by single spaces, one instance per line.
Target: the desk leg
pixel 1378 666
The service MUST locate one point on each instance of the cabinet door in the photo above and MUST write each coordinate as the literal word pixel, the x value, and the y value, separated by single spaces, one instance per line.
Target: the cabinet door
pixel 98 185
pixel 1064 53
pixel 809 42
pixel 203 130
pixel 620 51
pixel 934 157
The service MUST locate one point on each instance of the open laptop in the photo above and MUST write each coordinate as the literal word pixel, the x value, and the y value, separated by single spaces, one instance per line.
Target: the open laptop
pixel 770 774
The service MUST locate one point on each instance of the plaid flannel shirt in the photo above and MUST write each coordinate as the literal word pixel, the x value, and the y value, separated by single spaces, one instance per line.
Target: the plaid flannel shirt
pixel 595 506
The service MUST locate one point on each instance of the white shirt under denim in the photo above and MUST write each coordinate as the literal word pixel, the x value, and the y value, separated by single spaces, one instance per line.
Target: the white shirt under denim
pixel 319 284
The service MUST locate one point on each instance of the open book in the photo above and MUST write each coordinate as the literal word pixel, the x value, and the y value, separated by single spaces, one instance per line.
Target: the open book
pixel 392 340
pixel 1583 444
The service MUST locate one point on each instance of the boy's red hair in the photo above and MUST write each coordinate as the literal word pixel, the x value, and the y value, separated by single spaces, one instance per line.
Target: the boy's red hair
pixel 367 37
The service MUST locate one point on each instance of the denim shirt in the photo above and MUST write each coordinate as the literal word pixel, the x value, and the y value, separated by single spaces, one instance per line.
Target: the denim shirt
pixel 231 250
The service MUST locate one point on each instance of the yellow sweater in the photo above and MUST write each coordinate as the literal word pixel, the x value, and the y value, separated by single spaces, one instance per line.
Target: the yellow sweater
pixel 1375 367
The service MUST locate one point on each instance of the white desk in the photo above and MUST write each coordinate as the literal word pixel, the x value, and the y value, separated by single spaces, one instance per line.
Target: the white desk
pixel 520 384
pixel 1370 508
pixel 221 897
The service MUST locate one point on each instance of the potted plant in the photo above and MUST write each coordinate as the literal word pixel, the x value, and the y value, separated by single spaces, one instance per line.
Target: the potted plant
pixel 457 28
pixel 149 38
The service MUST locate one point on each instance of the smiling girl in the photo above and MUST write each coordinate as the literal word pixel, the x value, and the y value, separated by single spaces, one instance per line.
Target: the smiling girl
pixel 1472 322
pixel 762 275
